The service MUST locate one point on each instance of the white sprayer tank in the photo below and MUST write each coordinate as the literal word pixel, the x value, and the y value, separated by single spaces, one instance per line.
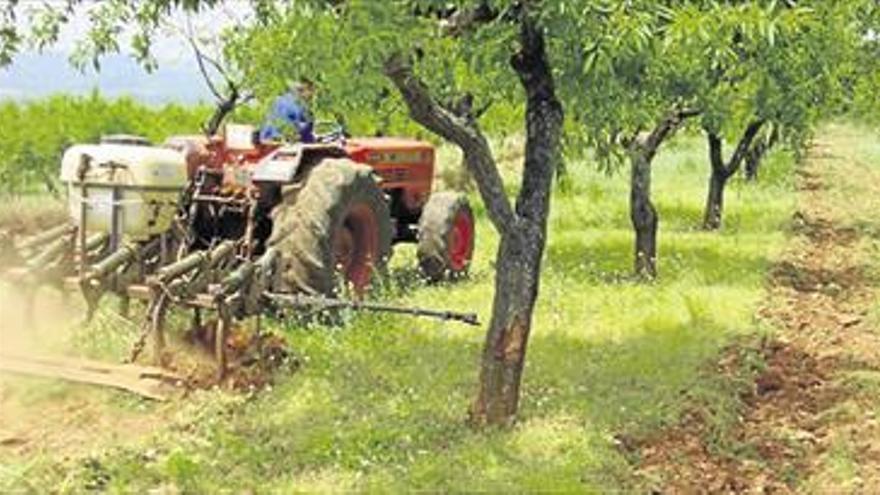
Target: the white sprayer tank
pixel 144 183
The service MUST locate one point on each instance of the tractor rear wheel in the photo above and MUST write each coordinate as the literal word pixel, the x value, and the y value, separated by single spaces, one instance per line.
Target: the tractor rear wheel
pixel 336 229
pixel 446 236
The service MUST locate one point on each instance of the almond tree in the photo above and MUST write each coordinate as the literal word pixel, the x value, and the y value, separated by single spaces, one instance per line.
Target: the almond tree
pixel 776 69
pixel 862 95
pixel 632 90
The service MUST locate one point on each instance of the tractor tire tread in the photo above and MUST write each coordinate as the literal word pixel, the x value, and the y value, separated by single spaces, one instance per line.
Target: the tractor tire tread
pixel 435 224
pixel 308 223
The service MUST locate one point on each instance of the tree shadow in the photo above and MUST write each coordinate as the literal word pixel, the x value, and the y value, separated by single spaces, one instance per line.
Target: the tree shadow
pixel 609 259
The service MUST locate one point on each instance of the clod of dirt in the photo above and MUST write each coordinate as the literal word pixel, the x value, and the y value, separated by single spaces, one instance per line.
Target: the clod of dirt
pixel 12 441
pixel 254 358
pixel 768 382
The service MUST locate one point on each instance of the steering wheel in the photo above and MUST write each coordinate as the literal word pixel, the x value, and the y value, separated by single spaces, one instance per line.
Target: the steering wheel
pixel 333 131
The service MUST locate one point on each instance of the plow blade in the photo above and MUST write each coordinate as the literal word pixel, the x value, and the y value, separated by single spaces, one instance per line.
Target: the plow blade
pixel 148 382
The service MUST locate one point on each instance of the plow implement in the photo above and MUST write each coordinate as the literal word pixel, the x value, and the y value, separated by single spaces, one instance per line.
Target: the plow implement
pixel 217 281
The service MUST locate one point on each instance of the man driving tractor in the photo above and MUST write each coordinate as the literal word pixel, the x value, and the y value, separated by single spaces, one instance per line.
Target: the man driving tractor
pixel 291 110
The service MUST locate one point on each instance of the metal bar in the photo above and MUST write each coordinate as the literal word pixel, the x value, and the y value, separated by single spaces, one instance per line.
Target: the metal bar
pixel 94 282
pixel 157 327
pixel 139 291
pixel 83 216
pixel 52 251
pixel 94 247
pixel 221 200
pixel 249 228
pixel 299 301
pixel 96 241
pixel 236 280
pixel 120 257
pixel 268 259
pixel 224 324
pixel 47 236
pixel 221 253
pixel 164 249
pixel 115 219
pixel 133 187
pixel 212 258
pixel 267 270
pixel 182 267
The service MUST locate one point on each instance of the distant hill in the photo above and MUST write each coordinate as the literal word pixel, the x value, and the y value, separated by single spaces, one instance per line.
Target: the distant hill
pixel 35 75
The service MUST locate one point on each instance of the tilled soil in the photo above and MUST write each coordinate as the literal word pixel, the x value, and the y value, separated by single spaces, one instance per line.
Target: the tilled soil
pixel 800 405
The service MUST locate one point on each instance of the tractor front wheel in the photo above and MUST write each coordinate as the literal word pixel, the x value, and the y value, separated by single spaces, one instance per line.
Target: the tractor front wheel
pixel 335 230
pixel 446 237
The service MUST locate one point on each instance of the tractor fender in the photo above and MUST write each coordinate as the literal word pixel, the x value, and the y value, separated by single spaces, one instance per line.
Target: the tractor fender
pixel 280 166
pixel 286 163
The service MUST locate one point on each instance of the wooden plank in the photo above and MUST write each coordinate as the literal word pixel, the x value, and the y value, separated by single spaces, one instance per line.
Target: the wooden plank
pixel 102 367
pixel 149 382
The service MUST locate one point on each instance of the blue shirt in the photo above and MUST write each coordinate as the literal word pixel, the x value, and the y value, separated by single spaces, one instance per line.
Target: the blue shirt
pixel 288 109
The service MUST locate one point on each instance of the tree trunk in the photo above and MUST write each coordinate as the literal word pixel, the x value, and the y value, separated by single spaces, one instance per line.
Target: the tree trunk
pixel 757 153
pixel 715 201
pixel 523 230
pixel 518 269
pixel 713 214
pixel 51 185
pixel 642 149
pixel 753 161
pixel 643 214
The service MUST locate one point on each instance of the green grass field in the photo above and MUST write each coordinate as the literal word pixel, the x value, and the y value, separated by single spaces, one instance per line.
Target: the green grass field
pixel 380 403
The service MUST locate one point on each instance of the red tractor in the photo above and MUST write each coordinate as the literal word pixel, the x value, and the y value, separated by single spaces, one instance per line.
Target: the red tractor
pixel 332 209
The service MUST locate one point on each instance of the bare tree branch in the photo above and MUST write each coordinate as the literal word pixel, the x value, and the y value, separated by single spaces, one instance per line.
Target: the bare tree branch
pixel 739 154
pixel 227 100
pixel 461 130
pixel 650 142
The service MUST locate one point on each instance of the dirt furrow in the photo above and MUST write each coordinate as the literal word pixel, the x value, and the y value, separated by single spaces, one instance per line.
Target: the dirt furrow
pixel 803 412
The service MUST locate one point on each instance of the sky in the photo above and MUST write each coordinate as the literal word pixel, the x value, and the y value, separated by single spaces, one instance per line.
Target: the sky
pixel 33 74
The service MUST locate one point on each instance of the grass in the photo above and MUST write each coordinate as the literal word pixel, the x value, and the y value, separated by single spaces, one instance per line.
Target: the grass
pixel 379 404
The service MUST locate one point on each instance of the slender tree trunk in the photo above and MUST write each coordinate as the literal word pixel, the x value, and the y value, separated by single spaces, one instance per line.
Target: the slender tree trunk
pixel 753 161
pixel 715 200
pixel 224 108
pixel 523 229
pixel 51 186
pixel 645 220
pixel 721 171
pixel 757 153
pixel 643 214
pixel 518 268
